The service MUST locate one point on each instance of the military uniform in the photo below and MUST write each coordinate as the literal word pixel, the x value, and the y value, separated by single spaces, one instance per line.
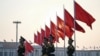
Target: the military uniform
pixel 45 47
pixel 51 49
pixel 21 50
pixel 48 48
pixel 70 48
pixel 21 47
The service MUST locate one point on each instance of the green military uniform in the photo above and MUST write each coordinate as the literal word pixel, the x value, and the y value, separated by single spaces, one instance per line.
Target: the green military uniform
pixel 21 50
pixel 21 47
pixel 70 48
pixel 48 47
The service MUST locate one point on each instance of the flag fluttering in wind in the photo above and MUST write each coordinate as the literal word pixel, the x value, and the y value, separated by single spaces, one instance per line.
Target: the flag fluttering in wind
pixel 70 22
pixel 47 31
pixel 56 31
pixel 28 47
pixel 35 38
pixel 53 31
pixel 64 28
pixel 82 15
pixel 39 38
pixel 42 35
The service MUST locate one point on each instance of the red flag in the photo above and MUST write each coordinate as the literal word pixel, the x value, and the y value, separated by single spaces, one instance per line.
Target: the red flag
pixel 47 31
pixel 60 33
pixel 70 21
pixel 35 38
pixel 57 33
pixel 61 26
pixel 28 47
pixel 82 15
pixel 39 38
pixel 54 31
pixel 42 34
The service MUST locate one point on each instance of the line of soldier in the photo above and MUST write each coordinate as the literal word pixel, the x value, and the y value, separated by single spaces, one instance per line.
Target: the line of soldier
pixel 48 48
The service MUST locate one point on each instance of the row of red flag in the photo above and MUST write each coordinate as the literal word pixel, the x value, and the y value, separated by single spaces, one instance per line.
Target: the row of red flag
pixel 65 27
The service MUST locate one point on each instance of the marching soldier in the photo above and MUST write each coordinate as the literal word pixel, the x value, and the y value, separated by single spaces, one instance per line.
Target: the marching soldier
pixel 70 48
pixel 51 46
pixel 48 47
pixel 45 47
pixel 21 47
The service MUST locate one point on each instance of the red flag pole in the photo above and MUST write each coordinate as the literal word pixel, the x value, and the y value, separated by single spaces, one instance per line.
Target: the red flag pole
pixel 74 28
pixel 45 30
pixel 64 35
pixel 41 37
pixel 50 26
pixel 56 36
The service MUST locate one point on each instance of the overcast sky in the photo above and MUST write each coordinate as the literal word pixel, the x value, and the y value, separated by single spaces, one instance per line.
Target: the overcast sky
pixel 34 14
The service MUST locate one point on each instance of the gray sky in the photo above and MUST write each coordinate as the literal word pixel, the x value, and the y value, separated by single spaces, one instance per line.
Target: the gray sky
pixel 34 14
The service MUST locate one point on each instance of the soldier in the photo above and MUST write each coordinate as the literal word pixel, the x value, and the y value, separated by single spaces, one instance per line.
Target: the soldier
pixel 70 48
pixel 51 46
pixel 21 47
pixel 48 46
pixel 45 47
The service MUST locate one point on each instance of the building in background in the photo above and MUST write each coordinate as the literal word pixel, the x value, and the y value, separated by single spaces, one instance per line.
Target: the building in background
pixel 10 49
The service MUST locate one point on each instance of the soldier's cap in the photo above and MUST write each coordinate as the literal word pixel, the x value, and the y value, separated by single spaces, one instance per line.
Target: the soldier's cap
pixel 51 36
pixel 21 38
pixel 45 39
pixel 70 39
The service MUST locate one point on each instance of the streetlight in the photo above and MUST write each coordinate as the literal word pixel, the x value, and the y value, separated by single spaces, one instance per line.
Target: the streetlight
pixel 16 22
